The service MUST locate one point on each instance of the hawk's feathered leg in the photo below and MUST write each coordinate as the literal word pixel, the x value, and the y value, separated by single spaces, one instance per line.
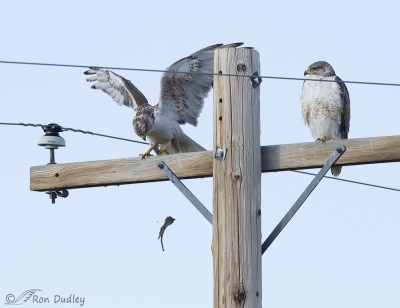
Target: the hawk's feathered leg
pixel 175 145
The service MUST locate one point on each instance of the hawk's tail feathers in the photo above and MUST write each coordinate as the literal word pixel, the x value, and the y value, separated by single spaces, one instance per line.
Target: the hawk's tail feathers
pixel 187 144
pixel 336 170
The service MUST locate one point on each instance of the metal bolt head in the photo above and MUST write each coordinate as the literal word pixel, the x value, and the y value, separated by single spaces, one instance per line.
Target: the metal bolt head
pixel 220 153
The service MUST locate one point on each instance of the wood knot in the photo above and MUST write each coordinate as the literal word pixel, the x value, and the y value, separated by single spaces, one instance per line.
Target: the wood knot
pixel 240 294
pixel 241 67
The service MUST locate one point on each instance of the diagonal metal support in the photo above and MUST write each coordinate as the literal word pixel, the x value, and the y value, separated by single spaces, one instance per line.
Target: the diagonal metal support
pixel 318 177
pixel 185 191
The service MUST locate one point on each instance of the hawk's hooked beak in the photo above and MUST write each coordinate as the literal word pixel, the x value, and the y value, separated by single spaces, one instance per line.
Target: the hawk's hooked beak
pixel 307 71
pixel 143 137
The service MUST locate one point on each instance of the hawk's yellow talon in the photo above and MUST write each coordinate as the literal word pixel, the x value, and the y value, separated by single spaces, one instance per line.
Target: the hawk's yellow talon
pixel 163 150
pixel 145 154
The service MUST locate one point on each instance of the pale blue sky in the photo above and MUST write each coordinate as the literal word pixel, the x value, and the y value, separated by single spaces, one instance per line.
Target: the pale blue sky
pixel 340 250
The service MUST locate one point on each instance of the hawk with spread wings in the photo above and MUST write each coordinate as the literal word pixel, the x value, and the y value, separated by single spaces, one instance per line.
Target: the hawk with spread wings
pixel 184 85
pixel 325 105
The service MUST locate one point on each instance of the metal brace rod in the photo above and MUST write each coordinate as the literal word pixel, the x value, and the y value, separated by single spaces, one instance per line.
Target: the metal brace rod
pixel 185 191
pixel 318 177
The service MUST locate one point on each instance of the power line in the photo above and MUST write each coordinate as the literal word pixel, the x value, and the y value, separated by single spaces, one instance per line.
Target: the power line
pixel 43 126
pixel 197 73
pixel 102 135
pixel 24 124
pixel 349 181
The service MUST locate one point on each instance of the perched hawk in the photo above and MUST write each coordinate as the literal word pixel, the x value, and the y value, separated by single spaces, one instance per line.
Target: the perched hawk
pixel 184 86
pixel 325 105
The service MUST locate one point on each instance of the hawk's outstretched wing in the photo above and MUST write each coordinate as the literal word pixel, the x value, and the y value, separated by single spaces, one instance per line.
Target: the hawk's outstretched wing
pixel 120 89
pixel 186 84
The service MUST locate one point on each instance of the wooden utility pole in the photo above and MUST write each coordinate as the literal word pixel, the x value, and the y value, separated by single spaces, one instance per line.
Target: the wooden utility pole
pixel 237 181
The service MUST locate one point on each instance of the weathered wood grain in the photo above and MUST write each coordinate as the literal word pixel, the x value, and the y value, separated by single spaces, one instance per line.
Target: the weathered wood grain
pixel 119 171
pixel 274 158
pixel 314 155
pixel 237 182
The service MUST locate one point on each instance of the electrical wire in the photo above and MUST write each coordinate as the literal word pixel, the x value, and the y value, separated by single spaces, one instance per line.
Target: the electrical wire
pixel 348 181
pixel 23 124
pixel 197 73
pixel 101 135
pixel 74 130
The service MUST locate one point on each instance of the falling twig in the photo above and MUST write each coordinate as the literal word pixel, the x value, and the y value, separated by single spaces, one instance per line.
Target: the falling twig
pixel 168 221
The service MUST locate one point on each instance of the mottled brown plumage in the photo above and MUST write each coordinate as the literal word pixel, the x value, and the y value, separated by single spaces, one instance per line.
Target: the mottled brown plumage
pixel 184 86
